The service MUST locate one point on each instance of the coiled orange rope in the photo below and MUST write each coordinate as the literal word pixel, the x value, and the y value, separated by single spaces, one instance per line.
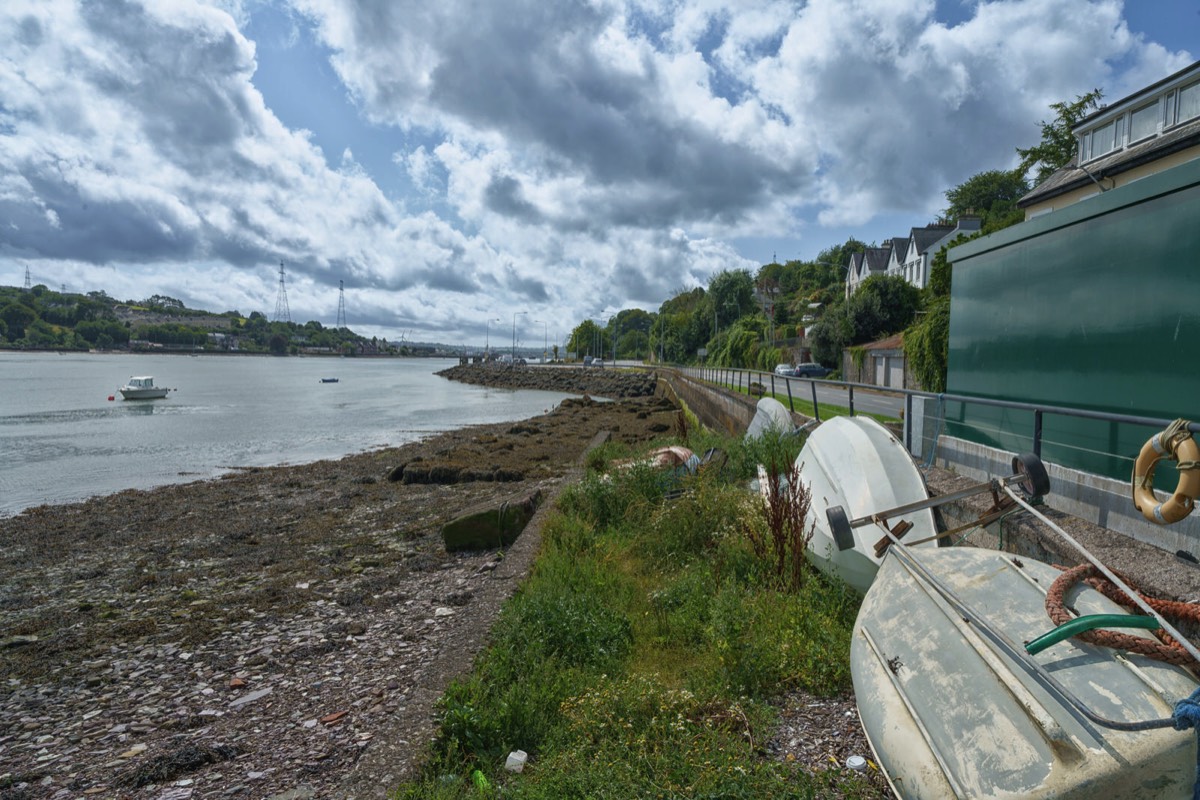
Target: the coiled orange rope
pixel 1165 649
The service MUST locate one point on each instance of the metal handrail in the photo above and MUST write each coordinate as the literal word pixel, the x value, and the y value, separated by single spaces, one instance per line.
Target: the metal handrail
pixel 723 376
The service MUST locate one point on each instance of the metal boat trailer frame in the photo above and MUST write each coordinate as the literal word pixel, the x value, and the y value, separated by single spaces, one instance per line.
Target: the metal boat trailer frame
pixel 1029 474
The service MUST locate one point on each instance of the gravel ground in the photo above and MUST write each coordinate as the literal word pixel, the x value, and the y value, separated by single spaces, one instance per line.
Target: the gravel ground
pixel 284 633
pixel 275 633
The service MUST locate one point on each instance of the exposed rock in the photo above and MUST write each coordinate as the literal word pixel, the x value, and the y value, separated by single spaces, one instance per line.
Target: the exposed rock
pixel 604 382
pixel 492 526
pixel 238 612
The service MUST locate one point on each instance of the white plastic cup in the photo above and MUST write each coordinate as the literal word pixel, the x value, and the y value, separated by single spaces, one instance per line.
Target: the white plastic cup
pixel 516 761
pixel 856 763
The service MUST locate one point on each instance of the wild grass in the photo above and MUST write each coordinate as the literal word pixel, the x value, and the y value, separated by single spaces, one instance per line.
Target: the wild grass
pixel 801 403
pixel 640 657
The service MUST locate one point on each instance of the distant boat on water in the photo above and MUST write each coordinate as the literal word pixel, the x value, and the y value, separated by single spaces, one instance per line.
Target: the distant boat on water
pixel 142 388
pixel 329 380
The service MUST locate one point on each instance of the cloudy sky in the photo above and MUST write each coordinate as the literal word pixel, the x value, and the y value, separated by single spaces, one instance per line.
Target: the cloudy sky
pixel 458 162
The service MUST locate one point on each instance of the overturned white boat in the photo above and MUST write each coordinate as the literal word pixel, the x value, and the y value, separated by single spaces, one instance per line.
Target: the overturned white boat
pixel 954 705
pixel 770 416
pixel 856 464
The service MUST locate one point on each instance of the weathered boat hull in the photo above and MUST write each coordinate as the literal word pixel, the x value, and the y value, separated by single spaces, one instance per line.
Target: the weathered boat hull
pixel 143 394
pixel 771 415
pixel 950 713
pixel 856 463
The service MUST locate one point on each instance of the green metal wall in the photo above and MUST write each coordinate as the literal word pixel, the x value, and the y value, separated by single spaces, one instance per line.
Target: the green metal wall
pixel 1096 306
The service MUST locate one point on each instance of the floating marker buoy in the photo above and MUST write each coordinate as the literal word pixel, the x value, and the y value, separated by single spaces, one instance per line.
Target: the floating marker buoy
pixel 111 397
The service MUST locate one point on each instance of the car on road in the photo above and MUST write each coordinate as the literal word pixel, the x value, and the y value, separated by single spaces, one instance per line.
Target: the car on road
pixel 785 370
pixel 810 370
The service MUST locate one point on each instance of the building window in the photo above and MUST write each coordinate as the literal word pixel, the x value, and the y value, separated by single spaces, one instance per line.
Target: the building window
pixel 1189 102
pixel 1143 122
pixel 1103 141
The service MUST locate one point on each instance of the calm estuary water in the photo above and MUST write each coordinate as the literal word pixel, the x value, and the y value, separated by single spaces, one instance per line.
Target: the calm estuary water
pixel 62 439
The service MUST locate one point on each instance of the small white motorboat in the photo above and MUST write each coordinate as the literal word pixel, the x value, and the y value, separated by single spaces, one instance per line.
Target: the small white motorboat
pixel 142 388
pixel 857 464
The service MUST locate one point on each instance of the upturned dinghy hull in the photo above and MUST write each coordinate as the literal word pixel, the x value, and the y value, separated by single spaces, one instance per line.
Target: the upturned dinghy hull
pixel 857 464
pixel 953 706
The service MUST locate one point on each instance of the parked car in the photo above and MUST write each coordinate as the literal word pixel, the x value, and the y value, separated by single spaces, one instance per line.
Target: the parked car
pixel 785 370
pixel 811 370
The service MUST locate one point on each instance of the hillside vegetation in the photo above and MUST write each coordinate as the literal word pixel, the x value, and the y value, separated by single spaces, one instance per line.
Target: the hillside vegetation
pixel 42 319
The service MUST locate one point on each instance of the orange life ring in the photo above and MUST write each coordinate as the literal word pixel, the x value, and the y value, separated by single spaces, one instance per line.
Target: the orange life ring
pixel 1176 444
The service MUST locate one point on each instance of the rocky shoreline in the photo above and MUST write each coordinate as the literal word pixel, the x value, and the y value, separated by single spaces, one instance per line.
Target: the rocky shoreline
pixel 284 633
pixel 607 382
pixel 274 633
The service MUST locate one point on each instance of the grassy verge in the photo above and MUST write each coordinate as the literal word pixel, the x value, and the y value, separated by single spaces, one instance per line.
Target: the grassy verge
pixel 805 407
pixel 640 657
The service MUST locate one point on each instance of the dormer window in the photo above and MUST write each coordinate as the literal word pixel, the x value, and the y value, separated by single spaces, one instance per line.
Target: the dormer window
pixel 1189 102
pixel 1101 141
pixel 1143 122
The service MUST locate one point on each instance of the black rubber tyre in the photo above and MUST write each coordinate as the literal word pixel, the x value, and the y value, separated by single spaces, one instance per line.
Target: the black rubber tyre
pixel 1037 480
pixel 839 526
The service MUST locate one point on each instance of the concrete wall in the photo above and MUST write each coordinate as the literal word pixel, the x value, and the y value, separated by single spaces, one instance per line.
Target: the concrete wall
pixel 714 407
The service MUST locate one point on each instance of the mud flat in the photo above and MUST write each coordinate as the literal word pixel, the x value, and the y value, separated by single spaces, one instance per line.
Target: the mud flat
pixel 274 633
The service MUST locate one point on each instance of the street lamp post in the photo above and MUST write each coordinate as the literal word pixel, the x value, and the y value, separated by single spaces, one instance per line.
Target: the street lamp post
pixel 514 339
pixel 545 337
pixel 487 347
pixel 607 322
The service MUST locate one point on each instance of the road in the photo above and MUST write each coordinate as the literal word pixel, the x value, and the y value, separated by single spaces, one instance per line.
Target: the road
pixel 865 400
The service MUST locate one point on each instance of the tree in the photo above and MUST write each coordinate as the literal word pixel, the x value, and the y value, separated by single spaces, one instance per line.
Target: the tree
pixel 991 195
pixel 1058 145
pixel 17 316
pixel 882 305
pixel 830 335
pixel 732 295
pixel 584 339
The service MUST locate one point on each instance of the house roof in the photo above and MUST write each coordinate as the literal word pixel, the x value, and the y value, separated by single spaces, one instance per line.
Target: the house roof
pixel 876 258
pixel 894 342
pixel 965 227
pixel 1072 176
pixel 1130 99
pixel 924 237
pixel 900 246
pixel 855 263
